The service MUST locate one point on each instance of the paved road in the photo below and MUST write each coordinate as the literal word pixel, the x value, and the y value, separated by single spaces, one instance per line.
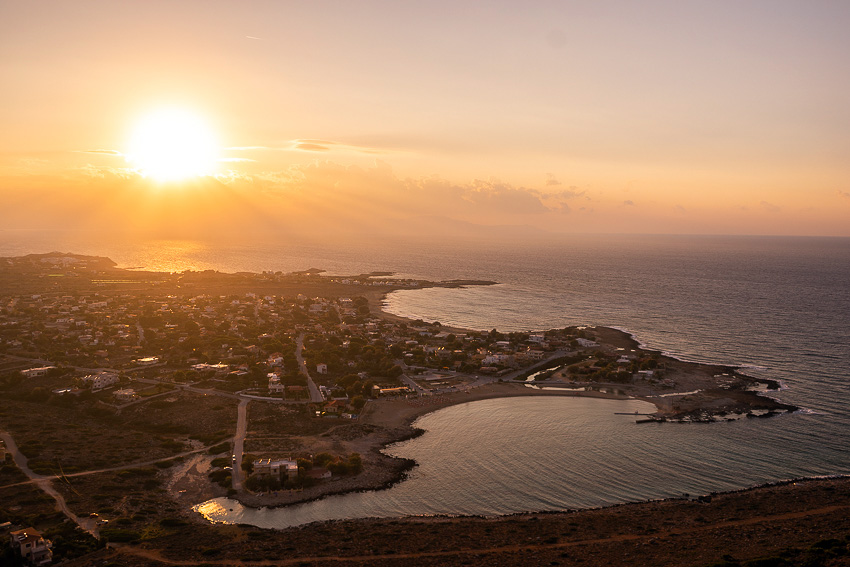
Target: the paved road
pixel 412 383
pixel 141 332
pixel 239 443
pixel 315 395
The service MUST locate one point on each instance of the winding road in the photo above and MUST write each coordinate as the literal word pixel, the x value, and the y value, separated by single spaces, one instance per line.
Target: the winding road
pixel 44 483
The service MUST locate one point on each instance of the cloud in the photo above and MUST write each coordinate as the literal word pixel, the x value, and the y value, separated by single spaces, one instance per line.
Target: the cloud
pixel 630 203
pixel 497 196
pixel 551 180
pixel 844 194
pixel 310 147
pixel 115 173
pixel 322 199
pixel 571 193
pixel 680 209
pixel 102 152
pixel 234 159
pixel 769 207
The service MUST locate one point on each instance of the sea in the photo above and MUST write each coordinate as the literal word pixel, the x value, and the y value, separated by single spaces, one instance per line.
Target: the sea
pixel 778 307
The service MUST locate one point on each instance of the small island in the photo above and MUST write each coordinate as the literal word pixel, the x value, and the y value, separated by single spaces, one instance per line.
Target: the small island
pixel 270 388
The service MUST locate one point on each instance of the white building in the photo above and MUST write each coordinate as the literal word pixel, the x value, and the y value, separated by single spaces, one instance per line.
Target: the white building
pixel 36 372
pixel 101 380
pixel 277 468
pixel 125 394
pixel 491 359
pixel 32 547
pixel 274 383
pixel 322 368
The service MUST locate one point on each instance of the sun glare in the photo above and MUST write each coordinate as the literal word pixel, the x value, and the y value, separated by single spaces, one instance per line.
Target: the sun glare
pixel 173 145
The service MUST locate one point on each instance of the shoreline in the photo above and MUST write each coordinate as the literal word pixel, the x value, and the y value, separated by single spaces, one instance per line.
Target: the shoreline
pixel 690 391
pixel 397 415
pixel 398 418
pixel 793 518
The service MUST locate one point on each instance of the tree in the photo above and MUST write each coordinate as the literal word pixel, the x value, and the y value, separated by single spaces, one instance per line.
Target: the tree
pixel 38 394
pixel 322 459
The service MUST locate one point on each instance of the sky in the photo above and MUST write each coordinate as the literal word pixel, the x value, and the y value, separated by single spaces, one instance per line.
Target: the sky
pixel 683 117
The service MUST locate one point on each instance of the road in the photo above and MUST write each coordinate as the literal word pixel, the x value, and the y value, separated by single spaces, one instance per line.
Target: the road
pixel 141 333
pixel 44 483
pixel 239 444
pixel 138 465
pixel 315 395
pixel 412 383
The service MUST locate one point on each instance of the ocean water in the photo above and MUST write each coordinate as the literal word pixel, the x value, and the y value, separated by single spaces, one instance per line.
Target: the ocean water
pixel 779 307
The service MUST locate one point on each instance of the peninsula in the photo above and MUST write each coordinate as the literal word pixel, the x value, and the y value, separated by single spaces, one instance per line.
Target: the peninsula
pixel 270 388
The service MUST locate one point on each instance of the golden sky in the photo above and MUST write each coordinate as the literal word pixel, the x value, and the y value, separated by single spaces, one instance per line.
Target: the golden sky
pixel 715 117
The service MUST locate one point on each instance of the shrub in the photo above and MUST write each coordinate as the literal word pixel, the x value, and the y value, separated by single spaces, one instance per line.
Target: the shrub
pixel 119 535
pixel 220 448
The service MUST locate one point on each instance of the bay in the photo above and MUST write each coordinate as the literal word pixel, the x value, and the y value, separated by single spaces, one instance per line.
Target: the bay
pixel 776 306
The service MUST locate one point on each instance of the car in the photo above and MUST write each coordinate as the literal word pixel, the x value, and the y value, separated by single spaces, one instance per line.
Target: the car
pixel 94 515
pixel 102 522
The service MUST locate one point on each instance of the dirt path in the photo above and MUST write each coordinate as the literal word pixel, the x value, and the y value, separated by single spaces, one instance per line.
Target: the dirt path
pixel 34 476
pixel 43 482
pixel 155 555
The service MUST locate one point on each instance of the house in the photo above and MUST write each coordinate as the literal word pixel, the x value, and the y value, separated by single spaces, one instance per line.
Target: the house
pixel 586 343
pixel 32 547
pixel 493 359
pixel 125 394
pixel 533 354
pixel 36 372
pixel 219 368
pixel 100 380
pixel 276 468
pixel 274 383
pixel 322 368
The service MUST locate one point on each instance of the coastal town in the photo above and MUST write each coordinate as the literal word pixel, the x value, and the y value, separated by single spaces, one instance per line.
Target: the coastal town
pixel 128 397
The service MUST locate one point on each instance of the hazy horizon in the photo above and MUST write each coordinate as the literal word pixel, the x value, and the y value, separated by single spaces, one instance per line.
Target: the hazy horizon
pixel 336 120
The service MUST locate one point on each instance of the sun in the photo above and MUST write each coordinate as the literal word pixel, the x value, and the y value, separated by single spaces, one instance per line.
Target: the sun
pixel 173 145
